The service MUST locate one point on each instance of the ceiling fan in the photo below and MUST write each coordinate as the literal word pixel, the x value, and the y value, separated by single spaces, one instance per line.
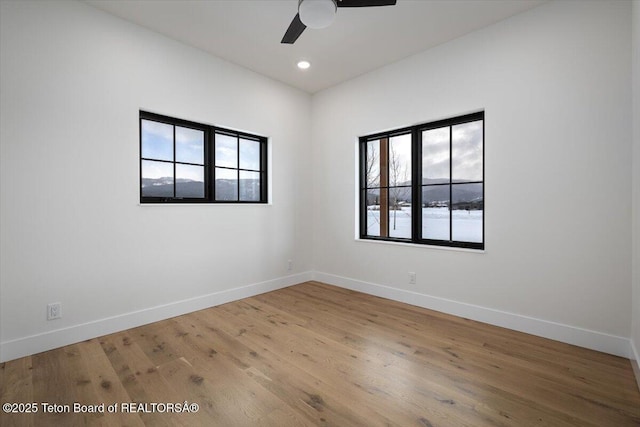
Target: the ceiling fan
pixel 321 13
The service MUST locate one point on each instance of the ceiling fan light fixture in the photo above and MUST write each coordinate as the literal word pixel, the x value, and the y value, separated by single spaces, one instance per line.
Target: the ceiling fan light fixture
pixel 317 14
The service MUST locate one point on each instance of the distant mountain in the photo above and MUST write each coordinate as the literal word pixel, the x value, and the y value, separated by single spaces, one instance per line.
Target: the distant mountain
pixel 167 180
pixel 225 189
pixel 465 196
pixel 163 187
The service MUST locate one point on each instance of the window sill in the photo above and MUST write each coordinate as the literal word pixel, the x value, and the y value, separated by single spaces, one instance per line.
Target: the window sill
pixel 414 245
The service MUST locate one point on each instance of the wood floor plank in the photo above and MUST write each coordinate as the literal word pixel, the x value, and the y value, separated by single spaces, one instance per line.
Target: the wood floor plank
pixel 549 392
pixel 529 385
pixel 318 355
pixel 55 386
pixel 376 385
pixel 143 381
pixel 16 386
pixel 392 352
pixel 200 378
pixel 101 377
pixel 300 388
pixel 227 353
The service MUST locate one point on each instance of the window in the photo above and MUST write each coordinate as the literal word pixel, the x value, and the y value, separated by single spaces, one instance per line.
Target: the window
pixel 425 184
pixel 182 161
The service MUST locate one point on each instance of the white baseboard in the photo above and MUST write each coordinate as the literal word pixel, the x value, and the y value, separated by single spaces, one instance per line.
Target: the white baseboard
pixel 635 362
pixel 594 340
pixel 33 344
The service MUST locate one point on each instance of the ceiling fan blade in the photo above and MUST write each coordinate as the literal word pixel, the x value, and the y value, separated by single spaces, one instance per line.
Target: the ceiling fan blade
pixel 293 32
pixel 365 3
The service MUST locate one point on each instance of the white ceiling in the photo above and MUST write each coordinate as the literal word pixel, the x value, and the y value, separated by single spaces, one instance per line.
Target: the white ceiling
pixel 248 32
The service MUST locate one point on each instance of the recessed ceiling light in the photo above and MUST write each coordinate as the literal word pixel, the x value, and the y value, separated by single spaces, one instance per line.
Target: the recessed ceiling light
pixel 303 65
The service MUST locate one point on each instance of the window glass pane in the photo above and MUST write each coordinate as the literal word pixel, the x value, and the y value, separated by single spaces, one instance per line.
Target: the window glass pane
pixel 373 212
pixel 157 140
pixel 226 151
pixel 189 145
pixel 400 212
pixel 249 186
pixel 400 160
pixel 249 154
pixel 467 151
pixel 157 179
pixel 468 208
pixel 226 184
pixel 189 181
pixel 435 212
pixel 435 156
pixel 372 163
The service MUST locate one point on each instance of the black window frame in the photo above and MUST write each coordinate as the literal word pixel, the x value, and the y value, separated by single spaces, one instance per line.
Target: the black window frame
pixel 209 165
pixel 417 182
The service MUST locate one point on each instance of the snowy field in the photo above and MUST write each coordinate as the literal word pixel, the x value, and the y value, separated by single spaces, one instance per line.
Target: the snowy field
pixel 467 225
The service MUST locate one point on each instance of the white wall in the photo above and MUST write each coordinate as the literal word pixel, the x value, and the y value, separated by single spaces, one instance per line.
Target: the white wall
pixel 73 80
pixel 555 85
pixel 635 327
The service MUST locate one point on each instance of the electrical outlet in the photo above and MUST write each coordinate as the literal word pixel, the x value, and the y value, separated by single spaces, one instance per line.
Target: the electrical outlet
pixel 54 310
pixel 289 265
pixel 412 278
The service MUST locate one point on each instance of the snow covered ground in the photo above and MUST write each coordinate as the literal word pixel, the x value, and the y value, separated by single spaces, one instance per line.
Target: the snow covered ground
pixel 467 225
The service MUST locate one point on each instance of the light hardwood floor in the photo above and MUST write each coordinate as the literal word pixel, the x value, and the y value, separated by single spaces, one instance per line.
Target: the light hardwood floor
pixel 314 354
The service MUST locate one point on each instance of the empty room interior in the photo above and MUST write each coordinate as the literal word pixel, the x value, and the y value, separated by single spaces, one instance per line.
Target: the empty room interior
pixel 334 212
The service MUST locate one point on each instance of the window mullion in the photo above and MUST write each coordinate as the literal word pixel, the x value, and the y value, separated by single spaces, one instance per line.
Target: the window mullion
pixel 238 166
pixel 175 183
pixel 362 186
pixel 263 170
pixel 416 186
pixel 210 159
pixel 450 183
pixel 384 187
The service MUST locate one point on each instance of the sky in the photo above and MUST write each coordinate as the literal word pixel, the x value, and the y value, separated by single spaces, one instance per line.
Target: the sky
pixel 466 147
pixel 227 152
pixel 157 143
